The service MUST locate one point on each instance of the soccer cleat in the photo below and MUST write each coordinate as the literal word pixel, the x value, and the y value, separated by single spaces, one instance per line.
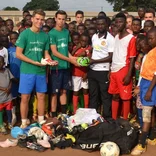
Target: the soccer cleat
pixel 8 143
pixel 151 142
pixel 10 126
pixel 3 130
pixel 138 150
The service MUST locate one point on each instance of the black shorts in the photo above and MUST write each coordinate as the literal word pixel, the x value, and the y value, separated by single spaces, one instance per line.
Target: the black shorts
pixel 60 79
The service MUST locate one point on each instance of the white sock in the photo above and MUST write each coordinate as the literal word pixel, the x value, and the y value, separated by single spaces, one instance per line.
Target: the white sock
pixel 14 110
pixel 24 121
pixel 40 118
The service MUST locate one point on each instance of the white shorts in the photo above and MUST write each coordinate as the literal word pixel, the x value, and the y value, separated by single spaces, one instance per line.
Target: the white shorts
pixel 78 83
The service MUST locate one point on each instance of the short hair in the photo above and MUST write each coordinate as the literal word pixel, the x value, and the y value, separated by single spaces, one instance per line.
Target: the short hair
pixel 121 15
pixel 39 11
pixel 94 29
pixel 137 19
pixel 46 26
pixel 61 12
pixel 130 16
pixel 14 33
pixel 81 25
pixel 152 30
pixel 9 20
pixel 101 18
pixel 150 21
pixel 103 13
pixel 85 34
pixel 75 34
pixel 79 12
pixel 26 11
pixel 150 10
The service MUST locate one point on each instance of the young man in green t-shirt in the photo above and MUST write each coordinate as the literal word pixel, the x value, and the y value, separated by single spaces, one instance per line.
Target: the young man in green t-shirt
pixel 32 46
pixel 60 76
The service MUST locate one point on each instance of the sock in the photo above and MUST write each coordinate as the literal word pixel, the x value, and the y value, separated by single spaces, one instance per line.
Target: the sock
pixel 1 118
pixel 75 103
pixel 151 134
pixel 9 115
pixel 64 109
pixel 126 109
pixel 86 100
pixel 24 121
pixel 143 139
pixel 40 118
pixel 115 107
pixel 14 110
pixel 54 114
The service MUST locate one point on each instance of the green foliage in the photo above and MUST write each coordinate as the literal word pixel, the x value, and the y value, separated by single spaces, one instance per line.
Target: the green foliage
pixel 49 5
pixel 131 5
pixel 10 8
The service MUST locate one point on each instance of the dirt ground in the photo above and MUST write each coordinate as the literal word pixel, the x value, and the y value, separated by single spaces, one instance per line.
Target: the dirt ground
pixel 17 151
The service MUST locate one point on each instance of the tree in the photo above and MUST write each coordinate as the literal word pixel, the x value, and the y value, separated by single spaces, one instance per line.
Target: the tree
pixel 10 8
pixel 49 5
pixel 131 5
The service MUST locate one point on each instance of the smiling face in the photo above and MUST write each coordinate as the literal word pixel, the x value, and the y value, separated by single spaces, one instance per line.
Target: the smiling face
pixel 37 21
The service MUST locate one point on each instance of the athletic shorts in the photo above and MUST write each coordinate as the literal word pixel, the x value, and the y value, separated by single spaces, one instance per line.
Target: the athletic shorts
pixel 60 79
pixel 144 85
pixel 6 105
pixel 32 82
pixel 78 83
pixel 116 84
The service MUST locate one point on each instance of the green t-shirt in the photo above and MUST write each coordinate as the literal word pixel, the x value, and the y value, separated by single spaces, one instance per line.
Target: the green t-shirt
pixel 34 46
pixel 61 40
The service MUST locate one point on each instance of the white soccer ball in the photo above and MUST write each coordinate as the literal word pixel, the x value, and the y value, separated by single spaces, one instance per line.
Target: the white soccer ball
pixel 109 149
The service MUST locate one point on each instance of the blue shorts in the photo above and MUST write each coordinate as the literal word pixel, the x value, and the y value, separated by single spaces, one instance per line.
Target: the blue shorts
pixel 60 79
pixel 144 85
pixel 32 82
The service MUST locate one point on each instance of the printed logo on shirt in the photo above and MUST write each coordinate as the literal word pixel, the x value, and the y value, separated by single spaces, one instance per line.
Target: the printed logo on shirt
pixel 103 43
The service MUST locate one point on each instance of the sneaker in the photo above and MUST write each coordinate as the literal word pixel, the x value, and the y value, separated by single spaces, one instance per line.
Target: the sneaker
pixel 25 125
pixel 138 150
pixel 3 130
pixel 8 143
pixel 151 142
pixel 10 126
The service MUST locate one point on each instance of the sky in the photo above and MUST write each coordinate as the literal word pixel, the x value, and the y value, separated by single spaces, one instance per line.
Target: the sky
pixel 67 5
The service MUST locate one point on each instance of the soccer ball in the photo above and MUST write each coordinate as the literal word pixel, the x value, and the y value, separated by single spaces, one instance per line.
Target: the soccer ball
pixel 109 149
pixel 83 61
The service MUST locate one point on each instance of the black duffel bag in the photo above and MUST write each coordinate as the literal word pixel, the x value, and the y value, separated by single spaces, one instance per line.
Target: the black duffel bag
pixel 119 131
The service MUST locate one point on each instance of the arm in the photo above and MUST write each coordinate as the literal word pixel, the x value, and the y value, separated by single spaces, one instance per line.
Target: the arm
pixel 70 58
pixel 149 91
pixel 22 57
pixel 127 78
pixel 103 60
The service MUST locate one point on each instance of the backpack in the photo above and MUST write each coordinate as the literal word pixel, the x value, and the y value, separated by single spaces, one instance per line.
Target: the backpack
pixel 119 131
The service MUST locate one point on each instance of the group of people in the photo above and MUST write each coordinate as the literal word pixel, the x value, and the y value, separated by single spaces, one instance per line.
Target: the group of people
pixel 122 64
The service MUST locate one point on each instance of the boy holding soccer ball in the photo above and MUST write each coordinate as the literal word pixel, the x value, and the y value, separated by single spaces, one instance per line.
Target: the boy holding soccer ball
pixel 79 74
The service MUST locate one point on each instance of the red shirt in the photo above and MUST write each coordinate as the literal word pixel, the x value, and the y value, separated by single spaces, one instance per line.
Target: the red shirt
pixel 80 71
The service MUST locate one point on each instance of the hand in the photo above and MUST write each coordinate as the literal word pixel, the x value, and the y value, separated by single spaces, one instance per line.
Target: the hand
pixel 148 95
pixel 126 80
pixel 39 64
pixel 84 78
pixel 136 91
pixel 91 61
pixel 73 60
